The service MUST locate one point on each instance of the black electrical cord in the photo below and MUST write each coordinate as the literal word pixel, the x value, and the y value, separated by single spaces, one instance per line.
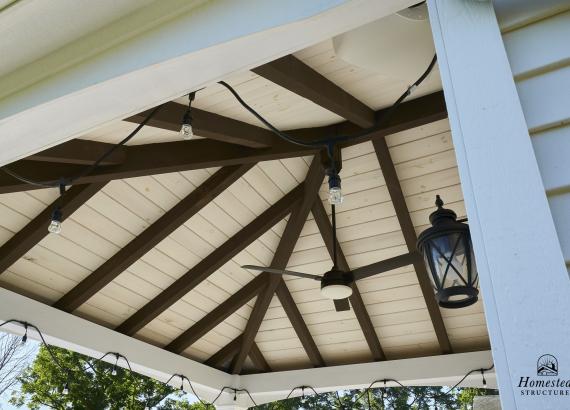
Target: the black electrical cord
pixel 330 141
pixel 90 168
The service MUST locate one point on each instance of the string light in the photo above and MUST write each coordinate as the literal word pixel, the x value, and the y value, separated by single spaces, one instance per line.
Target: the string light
pixel 65 390
pixel 25 337
pixel 186 130
pixel 114 370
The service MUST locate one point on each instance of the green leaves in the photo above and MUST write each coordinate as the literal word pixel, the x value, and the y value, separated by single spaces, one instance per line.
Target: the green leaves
pixel 91 386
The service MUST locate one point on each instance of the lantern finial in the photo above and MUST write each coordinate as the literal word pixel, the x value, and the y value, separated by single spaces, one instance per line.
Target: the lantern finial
pixel 438 202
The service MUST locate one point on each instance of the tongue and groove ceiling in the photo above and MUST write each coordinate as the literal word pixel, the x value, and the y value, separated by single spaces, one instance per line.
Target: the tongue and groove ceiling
pixel 154 239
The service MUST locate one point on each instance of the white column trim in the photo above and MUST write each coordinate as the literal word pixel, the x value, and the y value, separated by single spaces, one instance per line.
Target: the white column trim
pixel 522 272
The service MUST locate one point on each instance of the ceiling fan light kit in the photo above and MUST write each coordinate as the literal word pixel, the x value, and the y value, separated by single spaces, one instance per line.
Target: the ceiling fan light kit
pixel 336 284
pixel 448 254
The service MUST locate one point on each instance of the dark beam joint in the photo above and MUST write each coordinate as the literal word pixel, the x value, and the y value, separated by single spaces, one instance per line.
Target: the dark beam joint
pixel 291 73
pixel 212 262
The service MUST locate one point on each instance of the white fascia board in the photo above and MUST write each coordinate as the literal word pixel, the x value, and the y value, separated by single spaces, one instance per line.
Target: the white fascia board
pixel 443 370
pixel 160 53
pixel 80 335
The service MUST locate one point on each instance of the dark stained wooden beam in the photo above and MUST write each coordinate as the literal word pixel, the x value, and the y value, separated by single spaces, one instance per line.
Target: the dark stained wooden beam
pixel 291 73
pixel 152 236
pixel 80 152
pixel 403 215
pixel 299 325
pixel 325 228
pixel 36 229
pixel 209 125
pixel 166 157
pixel 152 159
pixel 212 262
pixel 281 257
pixel 225 354
pixel 258 360
pixel 218 315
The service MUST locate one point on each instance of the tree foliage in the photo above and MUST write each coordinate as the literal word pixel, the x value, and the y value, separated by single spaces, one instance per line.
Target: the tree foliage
pixel 393 398
pixel 91 386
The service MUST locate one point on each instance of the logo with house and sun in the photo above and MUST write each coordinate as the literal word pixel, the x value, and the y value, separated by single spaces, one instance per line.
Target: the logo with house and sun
pixel 547 365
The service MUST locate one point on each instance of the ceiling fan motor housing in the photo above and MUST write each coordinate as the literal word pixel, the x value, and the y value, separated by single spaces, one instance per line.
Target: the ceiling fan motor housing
pixel 336 284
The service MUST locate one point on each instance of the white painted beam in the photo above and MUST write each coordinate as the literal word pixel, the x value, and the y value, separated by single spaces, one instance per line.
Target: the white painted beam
pixel 444 370
pixel 80 335
pixel 157 54
pixel 522 271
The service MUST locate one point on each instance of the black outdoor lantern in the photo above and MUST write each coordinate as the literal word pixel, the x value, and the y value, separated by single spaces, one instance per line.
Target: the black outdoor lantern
pixel 448 254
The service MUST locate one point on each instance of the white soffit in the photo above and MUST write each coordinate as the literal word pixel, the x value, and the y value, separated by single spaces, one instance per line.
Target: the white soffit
pixel 165 50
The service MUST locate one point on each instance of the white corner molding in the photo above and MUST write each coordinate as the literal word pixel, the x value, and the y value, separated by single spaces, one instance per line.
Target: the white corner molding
pixel 159 53
pixel 523 277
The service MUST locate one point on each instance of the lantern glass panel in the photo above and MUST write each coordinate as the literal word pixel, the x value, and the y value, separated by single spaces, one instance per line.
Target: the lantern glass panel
pixel 449 260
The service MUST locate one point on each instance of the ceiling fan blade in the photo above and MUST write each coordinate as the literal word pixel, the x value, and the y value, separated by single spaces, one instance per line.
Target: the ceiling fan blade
pixel 341 305
pixel 283 272
pixel 384 266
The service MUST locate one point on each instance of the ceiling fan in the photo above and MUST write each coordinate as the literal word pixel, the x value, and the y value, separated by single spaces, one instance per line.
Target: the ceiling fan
pixel 336 284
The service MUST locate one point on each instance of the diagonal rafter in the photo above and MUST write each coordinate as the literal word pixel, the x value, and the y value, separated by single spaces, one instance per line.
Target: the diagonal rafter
pixel 325 228
pixel 403 215
pixel 212 262
pixel 291 73
pixel 280 258
pixel 37 228
pixel 299 325
pixel 151 237
pixel 225 354
pixel 218 315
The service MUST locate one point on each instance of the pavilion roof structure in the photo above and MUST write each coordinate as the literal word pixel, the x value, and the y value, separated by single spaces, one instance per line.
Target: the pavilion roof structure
pixel 154 238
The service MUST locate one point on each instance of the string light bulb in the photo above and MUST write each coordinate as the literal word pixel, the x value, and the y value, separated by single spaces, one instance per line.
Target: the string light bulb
pixel 335 191
pixel 186 130
pixel 484 381
pixel 25 337
pixel 56 219
pixel 114 370
pixel 65 390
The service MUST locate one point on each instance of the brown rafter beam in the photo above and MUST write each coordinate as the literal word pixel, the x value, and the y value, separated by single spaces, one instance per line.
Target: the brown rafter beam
pixel 258 360
pixel 209 125
pixel 36 229
pixel 151 159
pixel 291 73
pixel 299 325
pixel 325 228
pixel 212 262
pixel 280 259
pixel 218 315
pixel 226 353
pixel 80 152
pixel 403 215
pixel 151 237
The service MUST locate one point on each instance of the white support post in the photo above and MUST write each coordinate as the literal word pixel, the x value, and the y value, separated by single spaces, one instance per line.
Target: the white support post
pixel 522 272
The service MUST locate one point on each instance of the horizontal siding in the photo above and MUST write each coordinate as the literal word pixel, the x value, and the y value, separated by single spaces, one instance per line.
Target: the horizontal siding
pixel 539 54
